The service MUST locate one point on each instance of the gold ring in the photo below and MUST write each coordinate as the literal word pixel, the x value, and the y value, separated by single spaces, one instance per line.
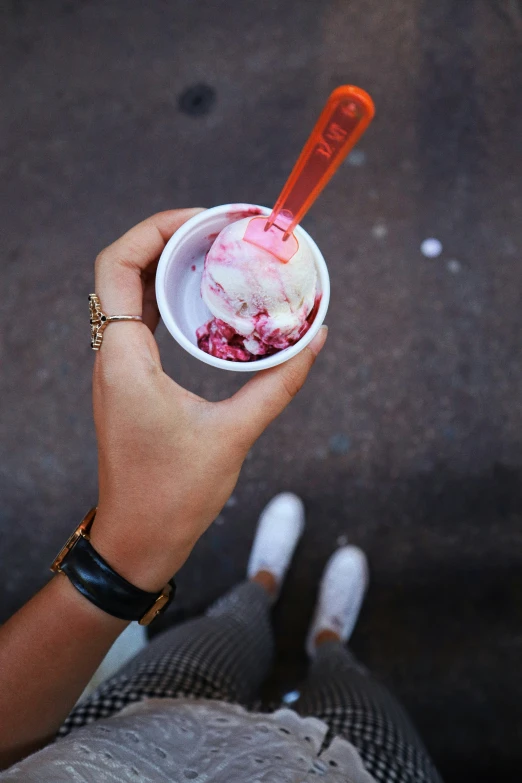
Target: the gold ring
pixel 100 321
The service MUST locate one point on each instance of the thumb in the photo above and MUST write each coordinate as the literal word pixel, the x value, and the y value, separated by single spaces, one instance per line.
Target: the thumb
pixel 263 398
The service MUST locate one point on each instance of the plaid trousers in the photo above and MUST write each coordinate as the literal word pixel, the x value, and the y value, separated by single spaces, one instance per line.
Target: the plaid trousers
pixel 227 654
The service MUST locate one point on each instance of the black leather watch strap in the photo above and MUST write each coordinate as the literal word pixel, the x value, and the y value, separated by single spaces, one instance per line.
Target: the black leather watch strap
pixel 92 576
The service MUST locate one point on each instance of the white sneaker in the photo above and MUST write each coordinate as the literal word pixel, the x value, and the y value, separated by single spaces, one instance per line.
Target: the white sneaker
pixel 280 527
pixel 341 594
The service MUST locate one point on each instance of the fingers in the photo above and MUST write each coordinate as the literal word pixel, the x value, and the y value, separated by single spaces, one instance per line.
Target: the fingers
pixel 124 281
pixel 263 398
pixel 124 268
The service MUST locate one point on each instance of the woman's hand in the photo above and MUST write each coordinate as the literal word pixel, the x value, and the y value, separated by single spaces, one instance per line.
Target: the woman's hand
pixel 168 460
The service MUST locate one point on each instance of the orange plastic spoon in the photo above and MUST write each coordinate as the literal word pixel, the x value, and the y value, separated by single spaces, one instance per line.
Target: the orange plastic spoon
pixel 348 112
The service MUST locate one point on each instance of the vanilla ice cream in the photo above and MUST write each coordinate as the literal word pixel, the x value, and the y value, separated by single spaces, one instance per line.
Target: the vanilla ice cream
pixel 260 304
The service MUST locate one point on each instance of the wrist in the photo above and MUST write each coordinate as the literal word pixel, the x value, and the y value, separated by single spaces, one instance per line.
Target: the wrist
pixel 140 559
pixel 70 601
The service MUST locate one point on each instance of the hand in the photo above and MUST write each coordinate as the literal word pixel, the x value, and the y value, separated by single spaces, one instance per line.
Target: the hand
pixel 168 459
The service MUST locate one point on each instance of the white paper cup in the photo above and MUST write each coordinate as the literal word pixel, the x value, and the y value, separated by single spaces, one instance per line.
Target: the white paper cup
pixel 178 281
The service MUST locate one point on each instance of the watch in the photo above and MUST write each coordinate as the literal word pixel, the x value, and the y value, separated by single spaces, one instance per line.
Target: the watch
pixel 94 578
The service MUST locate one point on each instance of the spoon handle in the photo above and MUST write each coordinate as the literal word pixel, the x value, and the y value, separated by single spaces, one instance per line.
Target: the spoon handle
pixel 348 112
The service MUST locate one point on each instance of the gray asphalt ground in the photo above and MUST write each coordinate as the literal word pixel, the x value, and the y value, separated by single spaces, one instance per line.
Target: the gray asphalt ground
pixel 407 438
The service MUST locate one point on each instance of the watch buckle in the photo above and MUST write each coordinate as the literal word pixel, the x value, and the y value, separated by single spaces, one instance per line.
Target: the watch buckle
pixel 159 604
pixel 82 530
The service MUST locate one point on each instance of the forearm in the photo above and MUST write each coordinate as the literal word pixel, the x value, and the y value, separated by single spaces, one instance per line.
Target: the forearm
pixel 48 652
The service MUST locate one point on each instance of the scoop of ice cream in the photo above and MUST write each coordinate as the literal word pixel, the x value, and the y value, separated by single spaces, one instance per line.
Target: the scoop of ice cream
pixel 263 300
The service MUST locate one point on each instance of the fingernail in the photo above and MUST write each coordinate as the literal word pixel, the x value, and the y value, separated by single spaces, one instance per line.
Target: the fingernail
pixel 319 340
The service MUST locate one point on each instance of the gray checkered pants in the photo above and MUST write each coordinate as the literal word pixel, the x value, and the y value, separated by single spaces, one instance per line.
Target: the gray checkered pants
pixel 227 655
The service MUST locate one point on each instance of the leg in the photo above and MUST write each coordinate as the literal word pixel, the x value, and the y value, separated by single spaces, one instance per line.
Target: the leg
pixel 355 706
pixel 224 655
pixel 342 693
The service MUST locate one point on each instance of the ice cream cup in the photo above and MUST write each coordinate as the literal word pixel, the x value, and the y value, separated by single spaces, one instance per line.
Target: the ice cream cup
pixel 178 281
